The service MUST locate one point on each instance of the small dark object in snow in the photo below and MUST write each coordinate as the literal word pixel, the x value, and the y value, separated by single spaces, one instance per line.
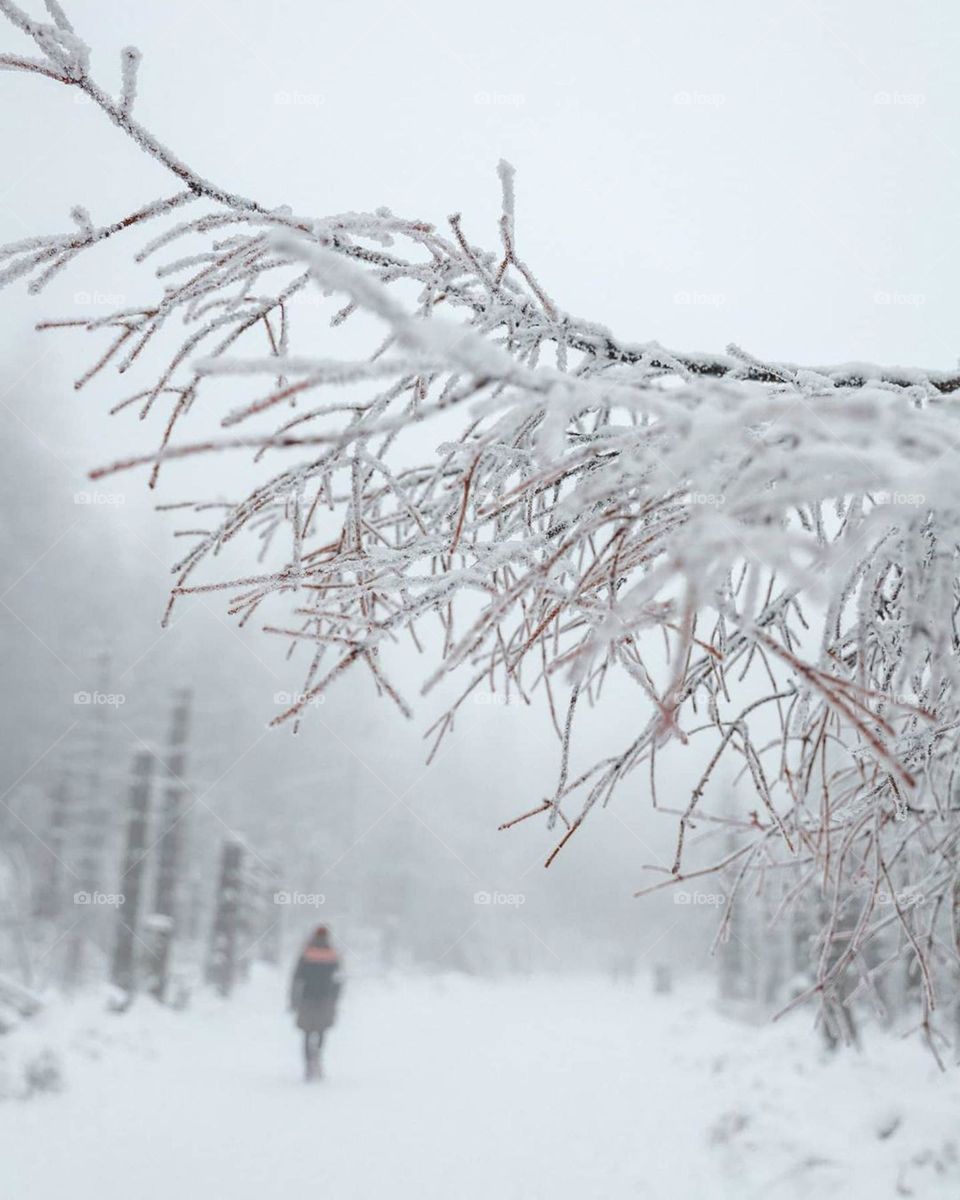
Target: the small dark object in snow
pixel 727 1127
pixel 662 979
pixel 889 1127
pixel 43 1073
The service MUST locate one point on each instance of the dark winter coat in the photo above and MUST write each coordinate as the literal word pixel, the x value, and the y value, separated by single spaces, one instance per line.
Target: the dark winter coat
pixel 316 988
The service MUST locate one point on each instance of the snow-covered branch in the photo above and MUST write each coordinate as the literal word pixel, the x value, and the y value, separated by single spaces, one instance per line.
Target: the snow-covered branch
pixel 768 552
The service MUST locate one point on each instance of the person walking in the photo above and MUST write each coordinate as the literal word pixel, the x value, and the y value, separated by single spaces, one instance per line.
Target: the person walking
pixel 314 992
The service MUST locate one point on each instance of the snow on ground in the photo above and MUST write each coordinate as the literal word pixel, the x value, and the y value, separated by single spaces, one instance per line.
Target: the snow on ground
pixel 457 1089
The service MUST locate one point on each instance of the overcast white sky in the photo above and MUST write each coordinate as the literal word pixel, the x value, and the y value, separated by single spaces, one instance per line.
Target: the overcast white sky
pixel 788 172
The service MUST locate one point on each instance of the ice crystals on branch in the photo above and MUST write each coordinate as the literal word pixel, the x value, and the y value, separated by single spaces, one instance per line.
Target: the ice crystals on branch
pixel 767 552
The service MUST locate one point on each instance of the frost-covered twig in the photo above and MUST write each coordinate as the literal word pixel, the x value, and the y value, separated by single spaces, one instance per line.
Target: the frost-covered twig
pixel 706 526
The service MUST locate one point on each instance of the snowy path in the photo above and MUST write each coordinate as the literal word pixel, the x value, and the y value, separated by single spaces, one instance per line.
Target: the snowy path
pixel 447 1090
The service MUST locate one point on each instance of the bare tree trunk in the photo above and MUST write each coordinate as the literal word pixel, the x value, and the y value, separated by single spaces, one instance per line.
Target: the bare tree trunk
pixel 270 928
pixel 93 820
pixel 49 899
pixel 169 851
pixel 18 911
pixel 124 972
pixel 734 975
pixel 251 915
pixel 222 964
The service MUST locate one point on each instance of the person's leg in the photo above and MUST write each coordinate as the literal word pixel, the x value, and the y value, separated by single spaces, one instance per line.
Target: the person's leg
pixel 312 1043
pixel 317 1051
